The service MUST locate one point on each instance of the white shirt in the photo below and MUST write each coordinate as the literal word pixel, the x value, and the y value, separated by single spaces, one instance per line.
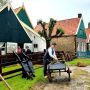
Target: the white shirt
pixel 50 52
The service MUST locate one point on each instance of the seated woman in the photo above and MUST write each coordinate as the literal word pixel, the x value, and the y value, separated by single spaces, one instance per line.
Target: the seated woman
pixel 28 51
pixel 19 50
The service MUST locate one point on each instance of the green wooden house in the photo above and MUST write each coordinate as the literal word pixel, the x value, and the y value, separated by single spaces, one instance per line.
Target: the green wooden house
pixel 81 40
pixel 37 40
pixel 11 30
pixel 23 16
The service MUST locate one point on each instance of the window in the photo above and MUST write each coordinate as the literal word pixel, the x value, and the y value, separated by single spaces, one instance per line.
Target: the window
pixel 35 45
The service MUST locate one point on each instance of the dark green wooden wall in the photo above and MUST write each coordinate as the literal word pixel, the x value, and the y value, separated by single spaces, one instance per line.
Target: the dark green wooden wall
pixel 10 28
pixel 81 32
pixel 23 17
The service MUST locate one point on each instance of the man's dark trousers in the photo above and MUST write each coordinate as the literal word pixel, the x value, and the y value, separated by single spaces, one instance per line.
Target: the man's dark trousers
pixel 46 62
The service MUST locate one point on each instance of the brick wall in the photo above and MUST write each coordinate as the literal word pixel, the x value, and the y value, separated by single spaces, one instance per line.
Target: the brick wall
pixel 65 43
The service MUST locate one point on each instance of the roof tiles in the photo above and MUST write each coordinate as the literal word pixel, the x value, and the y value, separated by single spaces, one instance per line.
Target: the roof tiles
pixel 69 26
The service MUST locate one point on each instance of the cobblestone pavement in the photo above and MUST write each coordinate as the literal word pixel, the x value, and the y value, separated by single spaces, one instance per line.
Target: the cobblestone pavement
pixel 80 80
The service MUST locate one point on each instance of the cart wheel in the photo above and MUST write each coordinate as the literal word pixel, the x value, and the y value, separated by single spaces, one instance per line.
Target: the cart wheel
pixel 49 76
pixel 69 76
pixel 69 71
pixel 50 79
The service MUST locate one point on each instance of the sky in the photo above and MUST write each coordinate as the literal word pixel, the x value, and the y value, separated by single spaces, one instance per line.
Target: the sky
pixel 57 9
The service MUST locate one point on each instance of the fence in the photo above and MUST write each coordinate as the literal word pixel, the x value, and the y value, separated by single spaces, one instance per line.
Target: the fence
pixel 37 58
pixel 83 54
pixel 10 59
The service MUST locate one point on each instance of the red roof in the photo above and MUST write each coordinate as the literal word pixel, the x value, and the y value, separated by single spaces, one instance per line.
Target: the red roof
pixel 88 34
pixel 38 28
pixel 16 9
pixel 69 26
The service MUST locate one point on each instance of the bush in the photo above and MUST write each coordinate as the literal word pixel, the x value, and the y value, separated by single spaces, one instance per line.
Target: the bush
pixel 60 31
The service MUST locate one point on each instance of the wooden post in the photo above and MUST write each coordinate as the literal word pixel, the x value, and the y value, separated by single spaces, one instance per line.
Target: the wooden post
pixel 6 48
pixel 0 67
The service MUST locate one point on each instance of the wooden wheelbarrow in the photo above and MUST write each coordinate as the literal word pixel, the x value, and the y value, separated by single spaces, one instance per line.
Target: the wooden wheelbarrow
pixel 60 66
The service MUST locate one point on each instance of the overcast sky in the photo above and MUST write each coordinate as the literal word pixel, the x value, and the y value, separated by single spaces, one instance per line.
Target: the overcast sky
pixel 57 9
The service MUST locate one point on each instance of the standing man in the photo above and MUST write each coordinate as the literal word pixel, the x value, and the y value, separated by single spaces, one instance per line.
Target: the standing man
pixel 49 56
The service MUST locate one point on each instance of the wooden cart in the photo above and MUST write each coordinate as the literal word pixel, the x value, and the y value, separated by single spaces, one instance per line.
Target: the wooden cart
pixel 60 67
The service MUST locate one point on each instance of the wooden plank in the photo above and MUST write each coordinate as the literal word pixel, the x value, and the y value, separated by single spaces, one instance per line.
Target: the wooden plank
pixel 6 60
pixel 0 67
pixel 9 63
pixel 10 72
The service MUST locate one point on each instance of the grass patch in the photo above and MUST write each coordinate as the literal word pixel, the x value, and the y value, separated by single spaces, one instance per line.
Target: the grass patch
pixel 75 61
pixel 78 73
pixel 19 83
pixel 10 68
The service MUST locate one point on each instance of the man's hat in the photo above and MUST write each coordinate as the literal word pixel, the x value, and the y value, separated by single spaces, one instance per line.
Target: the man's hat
pixel 54 44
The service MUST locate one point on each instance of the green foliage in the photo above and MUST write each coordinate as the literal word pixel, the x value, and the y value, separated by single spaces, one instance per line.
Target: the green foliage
pixel 75 61
pixel 42 23
pixel 39 22
pixel 49 39
pixel 51 26
pixel 46 35
pixel 51 23
pixel 40 33
pixel 43 32
pixel 60 31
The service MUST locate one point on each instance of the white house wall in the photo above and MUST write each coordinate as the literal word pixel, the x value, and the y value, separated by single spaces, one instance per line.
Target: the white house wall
pixel 81 47
pixel 36 40
pixel 41 43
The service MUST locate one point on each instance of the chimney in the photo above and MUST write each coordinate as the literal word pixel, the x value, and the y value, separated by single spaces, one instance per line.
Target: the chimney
pixel 79 15
pixel 89 25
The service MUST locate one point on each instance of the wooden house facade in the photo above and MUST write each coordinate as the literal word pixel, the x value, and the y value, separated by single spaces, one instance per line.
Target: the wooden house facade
pixel 11 30
pixel 38 43
pixel 88 37
pixel 74 37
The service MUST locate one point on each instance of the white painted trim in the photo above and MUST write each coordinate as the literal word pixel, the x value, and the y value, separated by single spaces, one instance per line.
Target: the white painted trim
pixel 24 25
pixel 3 7
pixel 9 6
pixel 28 17
pixel 23 7
pixel 78 26
pixel 31 30
pixel 17 18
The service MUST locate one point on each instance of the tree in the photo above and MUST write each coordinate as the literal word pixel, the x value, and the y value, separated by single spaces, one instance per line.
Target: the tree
pixel 46 33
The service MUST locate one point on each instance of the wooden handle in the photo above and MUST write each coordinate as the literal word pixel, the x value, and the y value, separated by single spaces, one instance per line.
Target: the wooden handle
pixel 5 82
